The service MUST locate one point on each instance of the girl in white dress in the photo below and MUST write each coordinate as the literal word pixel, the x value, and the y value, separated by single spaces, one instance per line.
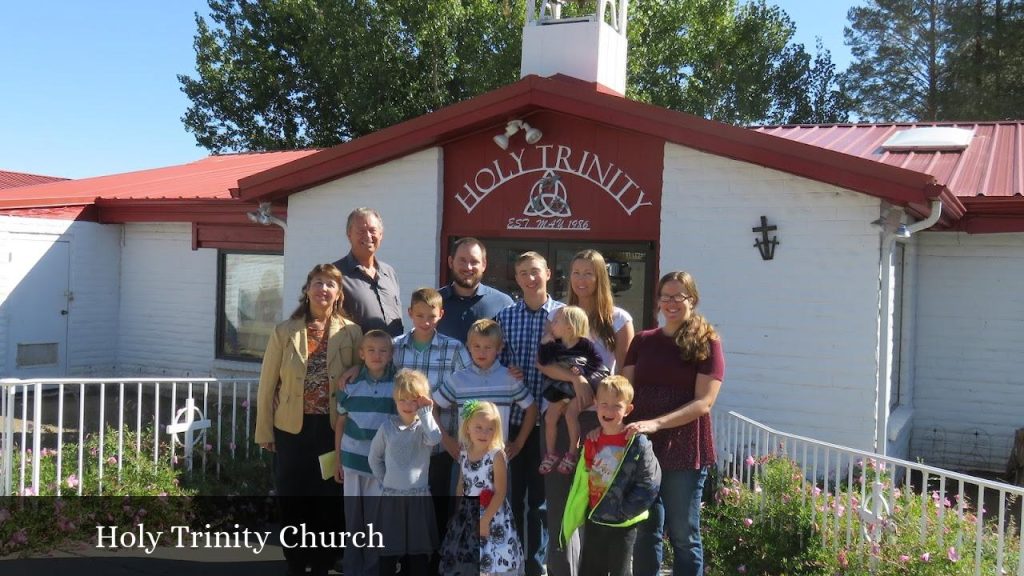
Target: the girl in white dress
pixel 481 537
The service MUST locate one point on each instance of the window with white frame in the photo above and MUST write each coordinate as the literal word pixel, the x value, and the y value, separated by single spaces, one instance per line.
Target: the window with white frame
pixel 250 288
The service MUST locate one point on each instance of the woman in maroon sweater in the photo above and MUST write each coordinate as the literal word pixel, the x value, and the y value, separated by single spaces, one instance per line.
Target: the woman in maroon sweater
pixel 677 371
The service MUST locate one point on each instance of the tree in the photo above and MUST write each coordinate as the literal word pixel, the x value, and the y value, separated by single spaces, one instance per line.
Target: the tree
pixel 984 71
pixel 729 62
pixel 897 46
pixel 276 74
pixel 936 59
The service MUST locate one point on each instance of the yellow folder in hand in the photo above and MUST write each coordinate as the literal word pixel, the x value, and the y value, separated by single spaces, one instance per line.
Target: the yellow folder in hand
pixel 328 463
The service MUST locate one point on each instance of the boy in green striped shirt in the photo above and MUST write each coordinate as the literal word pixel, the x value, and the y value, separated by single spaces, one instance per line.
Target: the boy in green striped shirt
pixel 363 406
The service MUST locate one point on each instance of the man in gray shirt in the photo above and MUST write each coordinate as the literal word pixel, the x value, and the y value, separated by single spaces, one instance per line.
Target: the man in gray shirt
pixel 372 296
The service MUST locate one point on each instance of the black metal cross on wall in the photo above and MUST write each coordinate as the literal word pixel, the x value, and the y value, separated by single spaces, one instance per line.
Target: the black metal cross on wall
pixel 765 245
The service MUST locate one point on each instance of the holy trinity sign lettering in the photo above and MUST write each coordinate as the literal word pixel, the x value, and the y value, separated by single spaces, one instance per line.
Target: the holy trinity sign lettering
pixel 548 197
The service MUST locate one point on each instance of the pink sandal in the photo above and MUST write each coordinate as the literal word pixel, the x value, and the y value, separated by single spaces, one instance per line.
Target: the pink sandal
pixel 550 461
pixel 568 463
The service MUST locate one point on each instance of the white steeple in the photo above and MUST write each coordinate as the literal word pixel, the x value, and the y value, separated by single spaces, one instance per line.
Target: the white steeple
pixel 590 47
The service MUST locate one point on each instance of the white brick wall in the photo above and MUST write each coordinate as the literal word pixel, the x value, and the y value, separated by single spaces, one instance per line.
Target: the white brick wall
pixel 407 194
pixel 800 332
pixel 969 389
pixel 94 276
pixel 168 302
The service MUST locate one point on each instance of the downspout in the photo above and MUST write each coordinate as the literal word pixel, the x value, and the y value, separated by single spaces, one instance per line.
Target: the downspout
pixel 884 388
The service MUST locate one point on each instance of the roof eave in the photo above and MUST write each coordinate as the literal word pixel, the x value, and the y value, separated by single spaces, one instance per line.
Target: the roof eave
pixel 215 210
pixel 894 184
pixel 391 142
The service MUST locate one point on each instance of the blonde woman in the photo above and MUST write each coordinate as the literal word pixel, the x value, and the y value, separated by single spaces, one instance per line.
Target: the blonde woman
pixel 611 327
pixel 295 415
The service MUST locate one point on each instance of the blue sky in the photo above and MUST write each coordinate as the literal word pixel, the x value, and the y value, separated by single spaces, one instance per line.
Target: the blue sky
pixel 90 88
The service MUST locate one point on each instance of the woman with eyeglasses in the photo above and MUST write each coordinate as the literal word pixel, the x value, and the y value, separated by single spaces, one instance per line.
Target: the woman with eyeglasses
pixel 677 371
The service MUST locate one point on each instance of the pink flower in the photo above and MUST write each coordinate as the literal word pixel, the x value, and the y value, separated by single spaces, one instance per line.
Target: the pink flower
pixel 952 554
pixel 112 461
pixel 29 491
pixel 245 403
pixel 20 537
pixel 742 568
pixel 748 522
pixel 232 446
pixel 72 481
pixel 749 461
pixel 208 447
pixel 904 558
pixel 816 491
pixel 926 557
pixel 843 561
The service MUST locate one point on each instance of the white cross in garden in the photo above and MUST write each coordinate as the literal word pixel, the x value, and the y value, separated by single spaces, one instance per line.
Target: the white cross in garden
pixel 189 427
pixel 873 512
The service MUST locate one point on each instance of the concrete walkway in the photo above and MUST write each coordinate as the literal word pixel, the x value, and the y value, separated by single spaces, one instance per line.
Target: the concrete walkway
pixel 162 562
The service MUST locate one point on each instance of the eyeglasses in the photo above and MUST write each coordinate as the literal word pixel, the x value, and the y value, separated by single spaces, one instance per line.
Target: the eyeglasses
pixel 677 298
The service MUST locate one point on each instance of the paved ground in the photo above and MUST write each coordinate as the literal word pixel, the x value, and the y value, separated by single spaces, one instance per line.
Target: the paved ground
pixel 163 562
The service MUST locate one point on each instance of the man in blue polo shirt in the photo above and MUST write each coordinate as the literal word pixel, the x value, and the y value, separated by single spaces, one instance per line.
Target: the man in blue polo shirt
pixel 466 300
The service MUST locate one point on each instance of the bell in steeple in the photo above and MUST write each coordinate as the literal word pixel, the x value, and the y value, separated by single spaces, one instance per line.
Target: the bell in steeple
pixel 591 47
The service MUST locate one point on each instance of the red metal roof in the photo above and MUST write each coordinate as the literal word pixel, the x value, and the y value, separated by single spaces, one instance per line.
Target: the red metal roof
pixel 212 178
pixel 992 165
pixel 981 187
pixel 573 97
pixel 18 179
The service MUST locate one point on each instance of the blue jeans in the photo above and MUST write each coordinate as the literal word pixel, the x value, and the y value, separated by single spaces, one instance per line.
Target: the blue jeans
pixel 678 505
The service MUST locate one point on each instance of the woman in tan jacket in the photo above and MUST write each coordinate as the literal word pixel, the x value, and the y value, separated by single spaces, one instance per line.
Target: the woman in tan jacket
pixel 295 410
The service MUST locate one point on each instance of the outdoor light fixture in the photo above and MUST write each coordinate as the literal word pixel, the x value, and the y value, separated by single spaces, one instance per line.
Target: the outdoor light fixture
pixel 264 217
pixel 531 134
pixel 890 223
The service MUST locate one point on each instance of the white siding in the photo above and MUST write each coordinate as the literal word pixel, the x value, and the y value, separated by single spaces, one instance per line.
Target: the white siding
pixel 168 302
pixel 93 280
pixel 800 332
pixel 407 194
pixel 969 389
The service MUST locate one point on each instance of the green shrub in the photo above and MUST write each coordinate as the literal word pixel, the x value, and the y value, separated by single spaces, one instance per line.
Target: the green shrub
pixel 769 529
pixel 157 493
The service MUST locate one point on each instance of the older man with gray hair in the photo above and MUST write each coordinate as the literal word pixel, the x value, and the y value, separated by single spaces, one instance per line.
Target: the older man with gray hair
pixel 372 296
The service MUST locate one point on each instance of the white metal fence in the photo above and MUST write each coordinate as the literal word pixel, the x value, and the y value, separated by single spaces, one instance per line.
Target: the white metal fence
pixel 183 420
pixel 743 443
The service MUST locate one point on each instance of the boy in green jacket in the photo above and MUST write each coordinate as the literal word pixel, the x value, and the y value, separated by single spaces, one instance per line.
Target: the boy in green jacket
pixel 616 482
